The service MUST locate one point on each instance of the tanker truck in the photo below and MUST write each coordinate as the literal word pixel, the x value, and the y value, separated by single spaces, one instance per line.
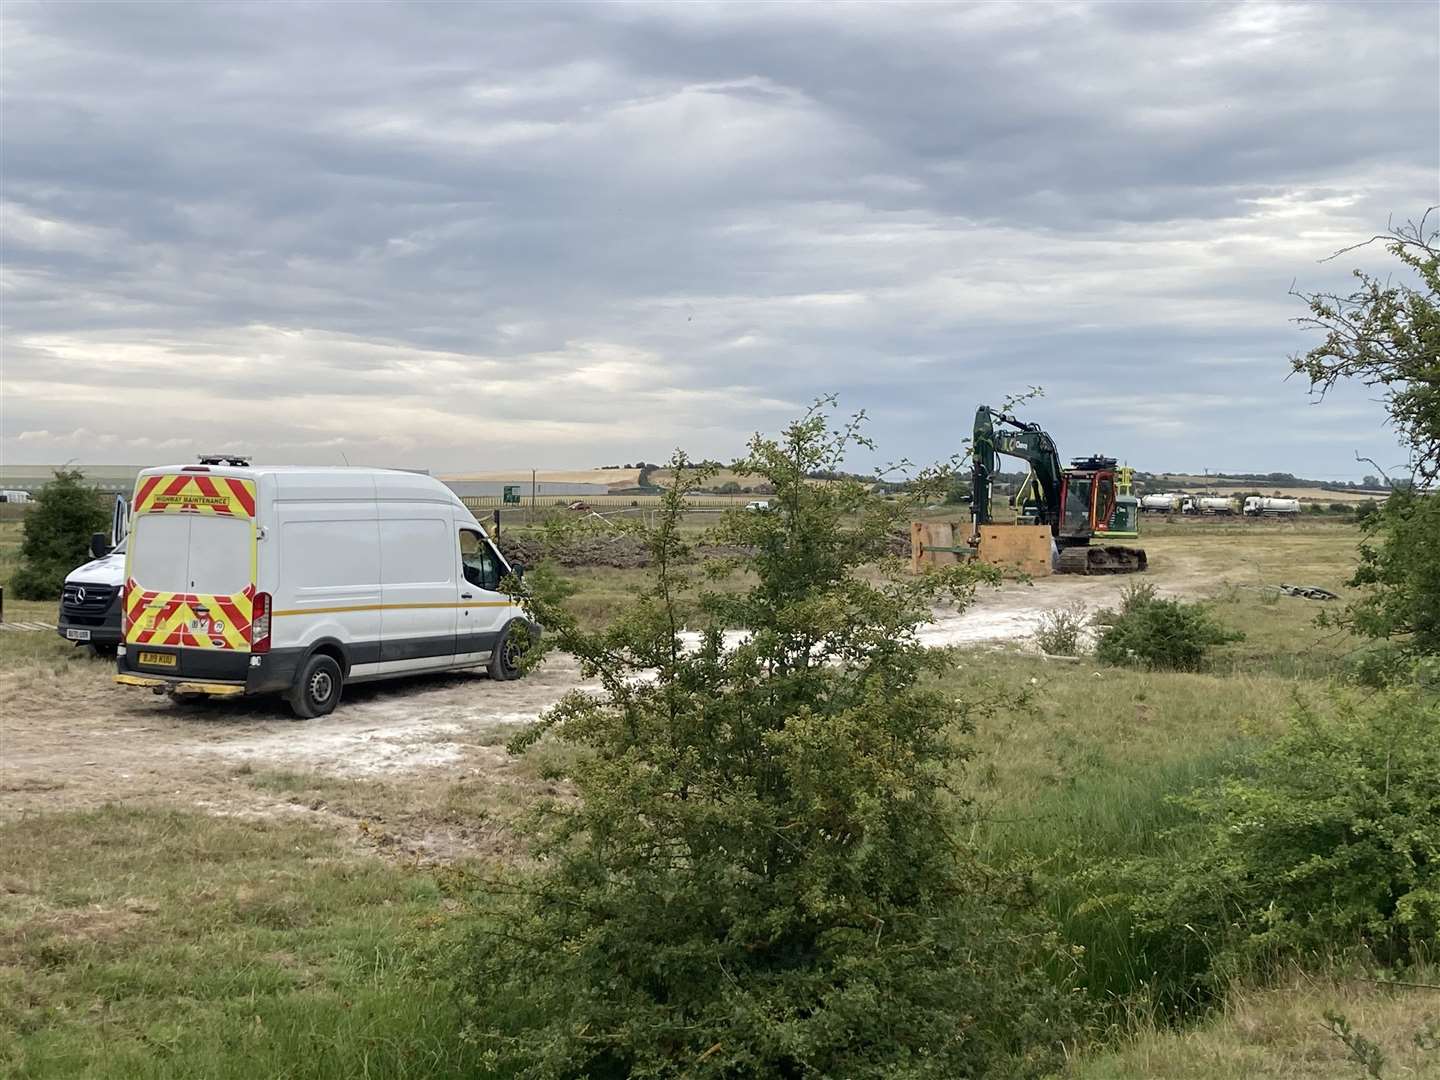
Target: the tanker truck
pixel 1159 504
pixel 1264 505
pixel 1215 504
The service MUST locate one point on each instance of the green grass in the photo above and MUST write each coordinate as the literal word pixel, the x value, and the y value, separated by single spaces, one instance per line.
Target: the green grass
pixel 170 944
pixel 1080 764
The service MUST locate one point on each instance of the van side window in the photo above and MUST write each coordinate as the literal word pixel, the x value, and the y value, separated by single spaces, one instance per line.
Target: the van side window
pixel 481 567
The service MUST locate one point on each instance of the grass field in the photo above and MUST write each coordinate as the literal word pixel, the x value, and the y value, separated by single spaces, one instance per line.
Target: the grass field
pixel 166 941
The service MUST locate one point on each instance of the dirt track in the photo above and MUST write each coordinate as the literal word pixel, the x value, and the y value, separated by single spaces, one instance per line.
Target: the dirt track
pixel 72 739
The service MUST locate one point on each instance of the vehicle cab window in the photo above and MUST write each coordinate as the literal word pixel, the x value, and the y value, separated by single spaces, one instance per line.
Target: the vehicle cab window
pixel 482 567
pixel 1104 501
pixel 1077 506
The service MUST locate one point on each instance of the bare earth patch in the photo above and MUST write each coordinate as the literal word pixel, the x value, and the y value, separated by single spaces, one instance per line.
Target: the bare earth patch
pixel 417 760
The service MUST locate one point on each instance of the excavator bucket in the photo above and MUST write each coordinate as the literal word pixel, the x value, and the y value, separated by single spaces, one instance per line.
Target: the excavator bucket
pixel 1102 559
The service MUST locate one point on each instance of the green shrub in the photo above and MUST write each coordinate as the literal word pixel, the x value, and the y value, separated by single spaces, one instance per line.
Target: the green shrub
pixel 1330 841
pixel 1062 630
pixel 57 535
pixel 1155 633
pixel 757 874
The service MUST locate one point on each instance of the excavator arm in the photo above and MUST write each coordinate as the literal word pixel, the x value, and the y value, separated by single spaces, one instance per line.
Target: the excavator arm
pixel 997 433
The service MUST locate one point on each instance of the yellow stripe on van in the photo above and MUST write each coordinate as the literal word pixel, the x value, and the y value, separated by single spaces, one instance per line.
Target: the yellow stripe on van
pixel 389 607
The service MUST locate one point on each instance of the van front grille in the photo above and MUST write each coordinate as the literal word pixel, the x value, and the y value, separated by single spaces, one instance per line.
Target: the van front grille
pixel 81 598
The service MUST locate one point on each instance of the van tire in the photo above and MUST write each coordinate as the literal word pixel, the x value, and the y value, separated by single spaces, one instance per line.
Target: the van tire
pixel 317 688
pixel 505 656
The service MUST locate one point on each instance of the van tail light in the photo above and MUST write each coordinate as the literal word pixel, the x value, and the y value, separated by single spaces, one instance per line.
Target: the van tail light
pixel 124 613
pixel 260 624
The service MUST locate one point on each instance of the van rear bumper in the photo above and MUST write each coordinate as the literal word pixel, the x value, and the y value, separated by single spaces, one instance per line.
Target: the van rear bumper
pixel 210 671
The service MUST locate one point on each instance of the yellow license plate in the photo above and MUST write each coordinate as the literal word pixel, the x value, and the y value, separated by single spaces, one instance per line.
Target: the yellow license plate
pixel 158 659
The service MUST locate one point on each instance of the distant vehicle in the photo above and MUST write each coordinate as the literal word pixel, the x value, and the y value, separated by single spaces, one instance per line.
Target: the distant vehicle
pixel 758 506
pixel 90 598
pixel 1159 504
pixel 14 496
pixel 1214 504
pixel 1263 505
pixel 579 506
pixel 244 580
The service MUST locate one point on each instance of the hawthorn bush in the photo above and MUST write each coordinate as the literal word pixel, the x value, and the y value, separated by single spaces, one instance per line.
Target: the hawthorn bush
pixel 1328 840
pixel 753 872
pixel 57 535
pixel 1169 635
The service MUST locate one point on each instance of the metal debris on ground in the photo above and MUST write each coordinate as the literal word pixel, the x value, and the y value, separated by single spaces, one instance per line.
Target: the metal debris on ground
pixel 1309 592
pixel 27 625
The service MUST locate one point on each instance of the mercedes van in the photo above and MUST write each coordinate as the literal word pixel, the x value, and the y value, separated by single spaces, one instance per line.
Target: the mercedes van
pixel 90 597
pixel 242 580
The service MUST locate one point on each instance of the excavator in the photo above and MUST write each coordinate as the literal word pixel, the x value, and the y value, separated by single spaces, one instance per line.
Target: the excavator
pixel 1088 501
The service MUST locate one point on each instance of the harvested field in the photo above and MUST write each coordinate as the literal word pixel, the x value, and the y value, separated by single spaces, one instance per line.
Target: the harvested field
pixel 615 478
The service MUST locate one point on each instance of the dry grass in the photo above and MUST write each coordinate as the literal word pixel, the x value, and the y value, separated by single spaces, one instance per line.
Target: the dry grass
pixel 1276 1033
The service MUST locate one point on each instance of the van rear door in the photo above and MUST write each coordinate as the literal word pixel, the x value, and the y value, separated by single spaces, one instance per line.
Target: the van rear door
pixel 190 565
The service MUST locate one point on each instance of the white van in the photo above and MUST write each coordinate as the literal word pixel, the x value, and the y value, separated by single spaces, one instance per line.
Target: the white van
pixel 90 598
pixel 242 580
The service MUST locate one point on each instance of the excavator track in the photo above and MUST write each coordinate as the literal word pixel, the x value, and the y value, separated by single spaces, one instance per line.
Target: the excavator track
pixel 1101 559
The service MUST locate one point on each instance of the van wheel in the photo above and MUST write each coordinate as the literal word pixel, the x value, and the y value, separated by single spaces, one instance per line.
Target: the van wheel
pixel 317 688
pixel 102 650
pixel 505 657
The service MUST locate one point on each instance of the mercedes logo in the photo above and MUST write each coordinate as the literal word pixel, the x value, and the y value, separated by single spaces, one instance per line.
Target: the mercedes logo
pixel 80 594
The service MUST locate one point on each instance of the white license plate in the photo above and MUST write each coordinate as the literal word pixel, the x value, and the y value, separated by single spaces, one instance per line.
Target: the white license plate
pixel 77 635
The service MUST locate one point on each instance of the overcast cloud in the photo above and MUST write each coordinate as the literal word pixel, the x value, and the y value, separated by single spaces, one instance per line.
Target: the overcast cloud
pixel 481 236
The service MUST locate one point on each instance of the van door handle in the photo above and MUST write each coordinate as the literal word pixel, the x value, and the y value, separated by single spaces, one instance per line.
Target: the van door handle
pixel 465 596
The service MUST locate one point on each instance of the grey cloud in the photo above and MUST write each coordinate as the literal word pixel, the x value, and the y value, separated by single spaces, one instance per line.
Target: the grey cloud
pixel 919 206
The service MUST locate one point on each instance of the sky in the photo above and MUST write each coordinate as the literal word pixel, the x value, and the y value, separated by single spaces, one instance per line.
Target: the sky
pixel 466 237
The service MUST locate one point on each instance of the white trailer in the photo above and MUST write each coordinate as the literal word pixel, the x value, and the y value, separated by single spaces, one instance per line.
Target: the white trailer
pixel 1214 504
pixel 1159 504
pixel 1266 506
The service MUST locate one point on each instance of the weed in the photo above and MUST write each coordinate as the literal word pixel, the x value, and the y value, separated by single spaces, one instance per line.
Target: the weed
pixel 1363 1051
pixel 1062 630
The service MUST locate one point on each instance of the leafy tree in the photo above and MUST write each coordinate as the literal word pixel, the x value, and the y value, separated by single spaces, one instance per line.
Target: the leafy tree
pixel 57 535
pixel 757 875
pixel 1387 333
pixel 1400 572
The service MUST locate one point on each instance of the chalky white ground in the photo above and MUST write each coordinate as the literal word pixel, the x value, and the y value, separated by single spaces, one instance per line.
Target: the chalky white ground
pixel 71 738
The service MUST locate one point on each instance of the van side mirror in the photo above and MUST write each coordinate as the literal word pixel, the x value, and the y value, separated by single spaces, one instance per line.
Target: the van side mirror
pixel 518 569
pixel 100 545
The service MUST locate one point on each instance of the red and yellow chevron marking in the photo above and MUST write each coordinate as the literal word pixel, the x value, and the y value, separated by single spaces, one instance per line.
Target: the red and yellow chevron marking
pixel 195 493
pixel 188 620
